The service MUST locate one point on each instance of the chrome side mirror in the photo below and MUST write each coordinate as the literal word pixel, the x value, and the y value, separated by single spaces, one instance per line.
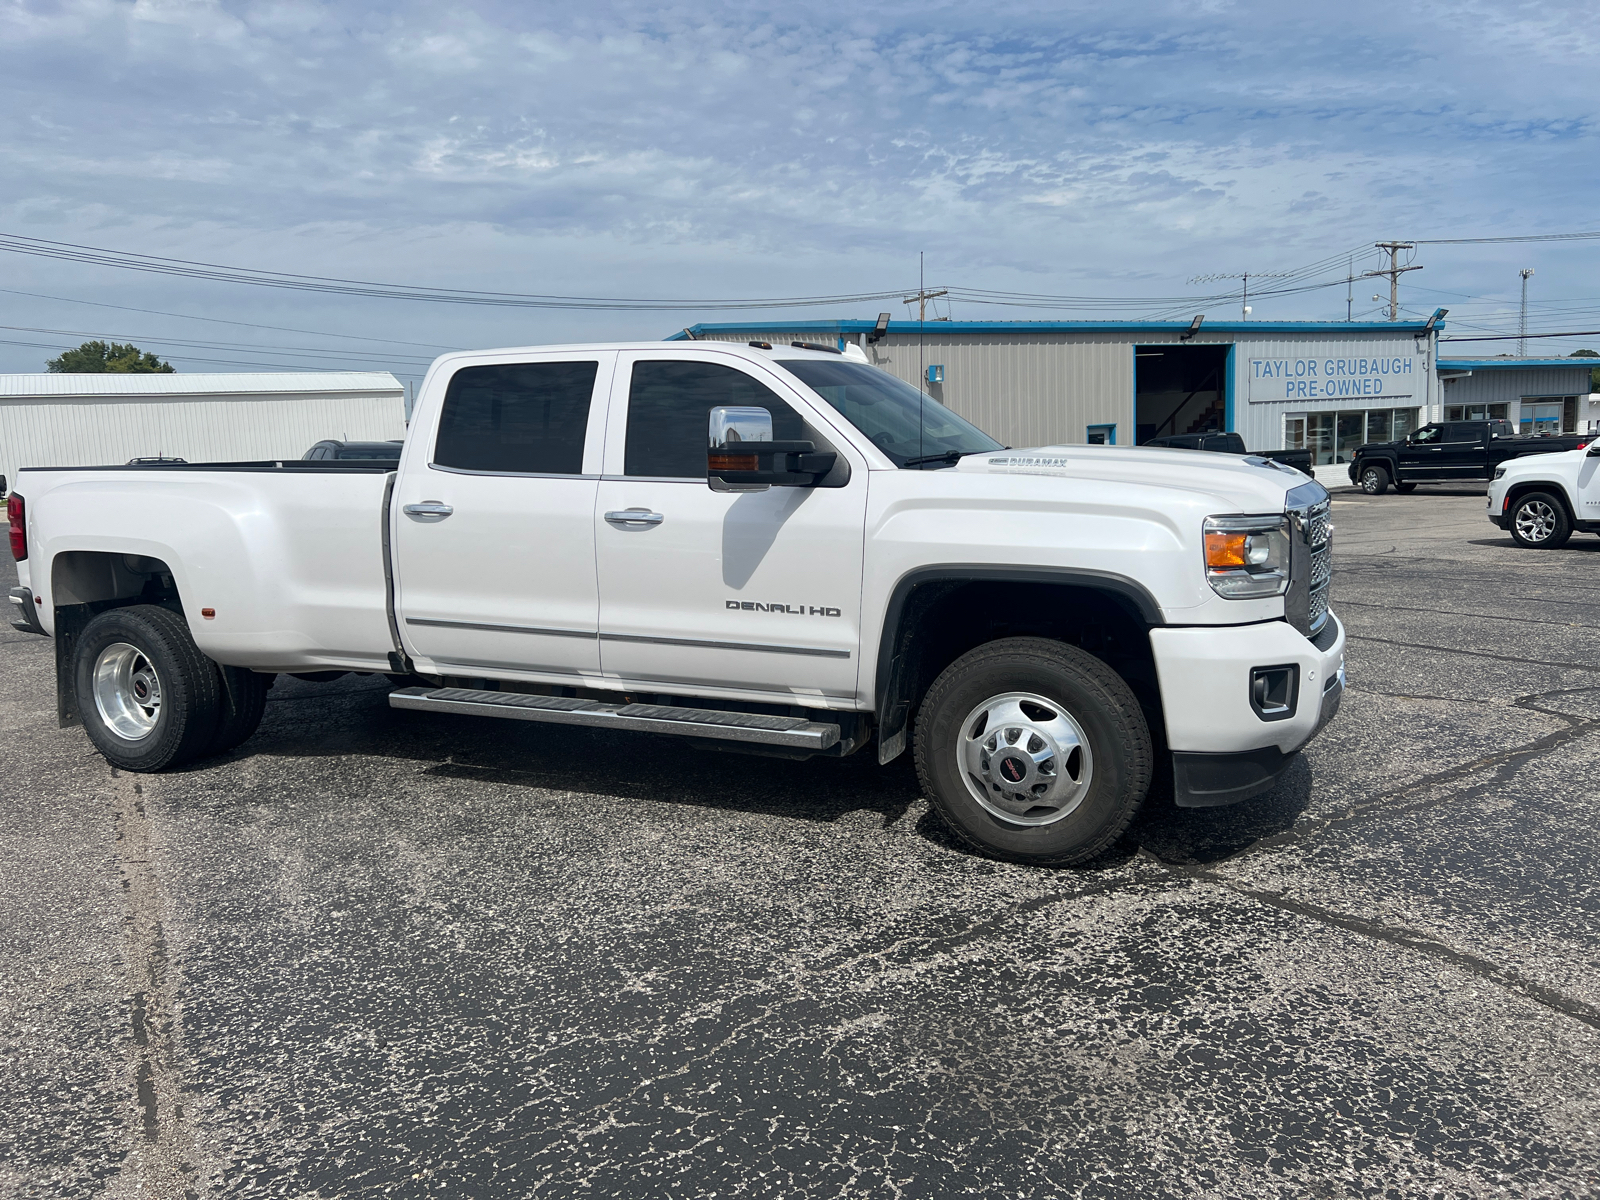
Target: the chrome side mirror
pixel 742 457
pixel 733 425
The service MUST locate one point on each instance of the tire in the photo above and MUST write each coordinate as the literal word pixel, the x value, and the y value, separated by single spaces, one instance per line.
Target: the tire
pixel 1374 481
pixel 1066 704
pixel 1539 521
pixel 128 657
pixel 1405 489
pixel 241 700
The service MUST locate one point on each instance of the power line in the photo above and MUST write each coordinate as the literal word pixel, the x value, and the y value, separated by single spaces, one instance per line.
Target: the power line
pixel 216 272
pixel 1527 237
pixel 156 312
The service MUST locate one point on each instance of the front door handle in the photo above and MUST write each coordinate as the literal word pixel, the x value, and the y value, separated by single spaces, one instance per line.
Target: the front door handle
pixel 635 516
pixel 428 508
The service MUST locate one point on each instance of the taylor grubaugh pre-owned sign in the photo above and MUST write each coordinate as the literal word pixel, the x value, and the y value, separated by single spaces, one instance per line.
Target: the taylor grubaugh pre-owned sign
pixel 1325 377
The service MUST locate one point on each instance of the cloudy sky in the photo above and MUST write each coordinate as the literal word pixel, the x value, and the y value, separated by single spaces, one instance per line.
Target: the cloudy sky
pixel 714 151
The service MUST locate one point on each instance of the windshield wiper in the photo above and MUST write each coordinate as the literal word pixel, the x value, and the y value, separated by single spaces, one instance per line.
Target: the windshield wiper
pixel 949 456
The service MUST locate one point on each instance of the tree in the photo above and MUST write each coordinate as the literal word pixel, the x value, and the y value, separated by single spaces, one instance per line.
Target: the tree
pixel 96 358
pixel 1594 372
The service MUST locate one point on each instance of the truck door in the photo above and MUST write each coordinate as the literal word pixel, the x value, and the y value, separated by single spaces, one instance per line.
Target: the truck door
pixel 493 521
pixel 1464 451
pixel 721 591
pixel 1419 455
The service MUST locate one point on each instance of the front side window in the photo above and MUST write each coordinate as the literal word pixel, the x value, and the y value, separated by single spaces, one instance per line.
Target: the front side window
pixel 669 415
pixel 516 418
pixel 912 429
pixel 1426 435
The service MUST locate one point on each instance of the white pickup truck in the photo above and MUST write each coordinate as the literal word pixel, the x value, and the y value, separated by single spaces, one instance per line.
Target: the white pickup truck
pixel 1542 500
pixel 777 549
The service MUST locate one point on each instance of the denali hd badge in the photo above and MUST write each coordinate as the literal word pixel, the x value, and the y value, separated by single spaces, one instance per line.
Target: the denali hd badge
pixel 794 610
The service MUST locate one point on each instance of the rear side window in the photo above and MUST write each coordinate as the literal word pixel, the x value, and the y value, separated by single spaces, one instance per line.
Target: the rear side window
pixel 669 415
pixel 517 418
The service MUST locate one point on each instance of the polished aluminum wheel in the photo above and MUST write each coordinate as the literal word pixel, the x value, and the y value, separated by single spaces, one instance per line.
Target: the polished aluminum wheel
pixel 1536 521
pixel 127 691
pixel 1024 758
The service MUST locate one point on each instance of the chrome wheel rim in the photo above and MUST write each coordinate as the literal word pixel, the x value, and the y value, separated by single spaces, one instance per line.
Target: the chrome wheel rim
pixel 127 691
pixel 1536 521
pixel 1369 481
pixel 1024 759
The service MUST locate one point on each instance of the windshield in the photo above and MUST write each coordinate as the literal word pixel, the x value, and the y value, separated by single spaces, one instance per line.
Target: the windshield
pixel 912 429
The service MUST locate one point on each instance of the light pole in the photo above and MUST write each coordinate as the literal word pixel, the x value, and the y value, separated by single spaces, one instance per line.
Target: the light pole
pixel 1522 322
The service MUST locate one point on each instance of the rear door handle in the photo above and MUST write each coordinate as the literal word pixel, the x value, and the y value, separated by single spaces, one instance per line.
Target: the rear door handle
pixel 635 516
pixel 428 508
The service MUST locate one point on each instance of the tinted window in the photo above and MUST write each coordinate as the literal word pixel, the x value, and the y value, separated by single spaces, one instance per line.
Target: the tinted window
pixel 517 417
pixel 669 415
pixel 902 422
pixel 1465 432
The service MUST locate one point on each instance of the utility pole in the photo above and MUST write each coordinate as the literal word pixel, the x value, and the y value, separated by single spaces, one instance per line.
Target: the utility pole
pixel 1350 290
pixel 1522 323
pixel 921 300
pixel 1393 273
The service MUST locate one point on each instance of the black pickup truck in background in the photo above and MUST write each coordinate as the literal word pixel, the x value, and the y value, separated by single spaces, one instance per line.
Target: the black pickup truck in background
pixel 1232 443
pixel 1450 450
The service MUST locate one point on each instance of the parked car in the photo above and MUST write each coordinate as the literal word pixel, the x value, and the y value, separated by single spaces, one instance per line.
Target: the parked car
pixel 1450 450
pixel 1232 443
pixel 1541 501
pixel 780 551
pixel 333 449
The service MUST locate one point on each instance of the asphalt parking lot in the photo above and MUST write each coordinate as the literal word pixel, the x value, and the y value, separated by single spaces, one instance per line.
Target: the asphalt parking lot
pixel 376 953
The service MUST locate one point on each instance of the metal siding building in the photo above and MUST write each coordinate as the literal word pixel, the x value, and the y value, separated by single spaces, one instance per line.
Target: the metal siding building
pixel 1062 382
pixel 103 420
pixel 1528 392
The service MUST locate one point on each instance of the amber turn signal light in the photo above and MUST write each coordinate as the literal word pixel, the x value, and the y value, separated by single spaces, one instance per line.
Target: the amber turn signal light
pixel 208 613
pixel 733 462
pixel 1225 548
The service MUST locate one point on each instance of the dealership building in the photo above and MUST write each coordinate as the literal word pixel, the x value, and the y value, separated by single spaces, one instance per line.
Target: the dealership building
pixel 1323 385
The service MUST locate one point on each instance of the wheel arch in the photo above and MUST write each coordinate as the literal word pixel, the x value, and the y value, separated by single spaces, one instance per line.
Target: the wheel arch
pixel 85 583
pixel 1551 487
pixel 937 613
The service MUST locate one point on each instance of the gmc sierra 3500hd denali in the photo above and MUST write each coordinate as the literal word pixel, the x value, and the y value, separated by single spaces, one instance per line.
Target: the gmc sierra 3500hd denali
pixel 774 549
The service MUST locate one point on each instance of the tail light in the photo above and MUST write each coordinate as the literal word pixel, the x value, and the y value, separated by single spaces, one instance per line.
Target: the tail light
pixel 16 514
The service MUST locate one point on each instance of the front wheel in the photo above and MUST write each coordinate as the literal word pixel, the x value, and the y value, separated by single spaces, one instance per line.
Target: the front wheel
pixel 1374 481
pixel 1034 751
pixel 147 696
pixel 1539 522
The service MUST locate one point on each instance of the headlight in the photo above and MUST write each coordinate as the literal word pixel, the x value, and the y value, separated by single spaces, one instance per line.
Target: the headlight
pixel 1247 557
pixel 1499 472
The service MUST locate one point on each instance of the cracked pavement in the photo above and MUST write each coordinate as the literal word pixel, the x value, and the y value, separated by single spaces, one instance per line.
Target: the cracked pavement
pixel 376 953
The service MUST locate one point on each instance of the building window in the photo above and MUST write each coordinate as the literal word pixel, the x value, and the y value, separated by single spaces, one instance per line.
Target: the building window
pixel 1476 412
pixel 1548 414
pixel 1102 435
pixel 1332 437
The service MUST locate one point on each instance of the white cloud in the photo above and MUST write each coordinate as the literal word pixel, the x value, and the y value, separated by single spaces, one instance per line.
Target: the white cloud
pixel 1031 145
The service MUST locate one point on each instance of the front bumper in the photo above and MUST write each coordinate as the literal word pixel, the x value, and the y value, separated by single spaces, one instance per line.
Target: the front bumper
pixel 1223 751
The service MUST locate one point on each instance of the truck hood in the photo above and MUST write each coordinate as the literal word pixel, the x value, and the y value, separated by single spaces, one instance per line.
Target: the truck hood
pixel 1233 483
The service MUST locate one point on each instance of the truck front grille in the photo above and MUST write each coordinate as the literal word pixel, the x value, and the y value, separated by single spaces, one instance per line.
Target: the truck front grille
pixel 1311 571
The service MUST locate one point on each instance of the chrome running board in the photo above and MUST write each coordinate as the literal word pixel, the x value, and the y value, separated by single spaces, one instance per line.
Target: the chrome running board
pixel 641 718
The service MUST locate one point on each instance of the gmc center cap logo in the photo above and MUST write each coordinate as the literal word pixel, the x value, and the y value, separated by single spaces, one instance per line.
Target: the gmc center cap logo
pixel 1012 769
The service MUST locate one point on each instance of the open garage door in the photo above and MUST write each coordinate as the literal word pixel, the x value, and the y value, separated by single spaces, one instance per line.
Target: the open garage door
pixel 1180 389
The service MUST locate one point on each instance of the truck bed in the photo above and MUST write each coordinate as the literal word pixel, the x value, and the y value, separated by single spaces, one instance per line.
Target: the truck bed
pixel 275 549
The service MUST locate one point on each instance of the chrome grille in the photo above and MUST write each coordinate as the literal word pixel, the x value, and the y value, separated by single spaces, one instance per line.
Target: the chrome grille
pixel 1311 573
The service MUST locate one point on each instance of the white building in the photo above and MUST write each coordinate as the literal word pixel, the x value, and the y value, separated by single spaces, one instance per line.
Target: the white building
pixel 106 419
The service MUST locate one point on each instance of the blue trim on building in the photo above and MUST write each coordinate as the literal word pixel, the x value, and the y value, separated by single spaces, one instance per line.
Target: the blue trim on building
pixel 1131 328
pixel 1228 388
pixel 1514 364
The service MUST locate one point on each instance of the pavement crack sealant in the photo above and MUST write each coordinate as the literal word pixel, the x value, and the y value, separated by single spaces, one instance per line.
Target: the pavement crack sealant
pixel 162 1159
